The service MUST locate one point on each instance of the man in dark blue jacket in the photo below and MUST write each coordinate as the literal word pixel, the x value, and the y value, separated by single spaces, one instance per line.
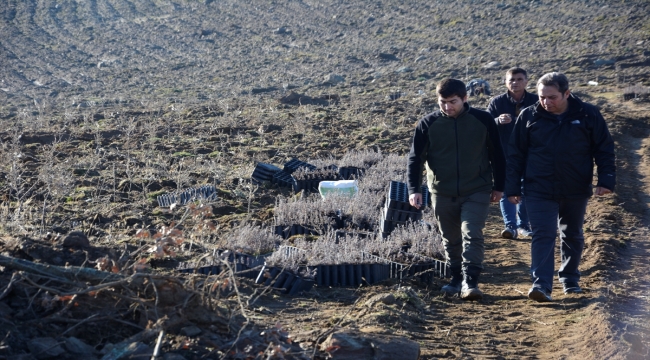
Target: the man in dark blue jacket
pixel 460 148
pixel 504 109
pixel 553 146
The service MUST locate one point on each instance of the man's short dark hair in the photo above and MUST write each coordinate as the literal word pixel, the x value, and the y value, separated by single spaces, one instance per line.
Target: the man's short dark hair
pixel 517 70
pixel 556 79
pixel 450 87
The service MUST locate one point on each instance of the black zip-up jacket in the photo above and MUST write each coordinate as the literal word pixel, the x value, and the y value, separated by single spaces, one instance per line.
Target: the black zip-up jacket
pixel 557 157
pixel 462 155
pixel 505 104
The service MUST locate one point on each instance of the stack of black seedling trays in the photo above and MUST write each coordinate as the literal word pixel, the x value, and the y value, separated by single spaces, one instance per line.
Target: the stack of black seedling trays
pixel 311 183
pixel 206 192
pixel 283 177
pixel 264 172
pixel 351 172
pixel 243 265
pixel 397 209
pixel 312 178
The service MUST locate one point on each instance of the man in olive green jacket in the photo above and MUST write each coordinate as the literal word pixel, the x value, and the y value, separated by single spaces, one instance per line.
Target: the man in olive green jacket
pixel 465 165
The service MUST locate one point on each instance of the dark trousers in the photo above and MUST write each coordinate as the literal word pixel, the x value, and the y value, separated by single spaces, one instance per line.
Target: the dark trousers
pixel 461 221
pixel 546 216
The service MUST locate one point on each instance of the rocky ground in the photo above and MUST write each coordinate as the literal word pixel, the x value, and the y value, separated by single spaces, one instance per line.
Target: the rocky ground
pixel 106 104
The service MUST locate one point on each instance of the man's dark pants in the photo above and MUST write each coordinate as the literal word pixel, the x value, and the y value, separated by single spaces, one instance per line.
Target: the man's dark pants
pixel 544 216
pixel 461 221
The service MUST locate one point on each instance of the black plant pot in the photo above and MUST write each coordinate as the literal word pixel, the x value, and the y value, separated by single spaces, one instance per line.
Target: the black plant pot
pixel 288 281
pixel 300 285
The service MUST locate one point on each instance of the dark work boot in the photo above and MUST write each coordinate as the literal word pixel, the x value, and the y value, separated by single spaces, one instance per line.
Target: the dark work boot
pixel 456 282
pixel 469 289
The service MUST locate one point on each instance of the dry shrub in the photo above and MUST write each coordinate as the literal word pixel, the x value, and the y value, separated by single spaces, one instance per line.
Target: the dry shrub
pixel 422 236
pixel 309 210
pixel 361 158
pixel 252 240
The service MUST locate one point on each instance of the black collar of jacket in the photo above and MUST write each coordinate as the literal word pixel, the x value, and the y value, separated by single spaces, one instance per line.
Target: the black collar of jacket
pixel 575 106
pixel 465 110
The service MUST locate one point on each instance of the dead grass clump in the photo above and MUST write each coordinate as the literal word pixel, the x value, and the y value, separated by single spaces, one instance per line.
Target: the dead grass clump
pixel 421 237
pixel 252 240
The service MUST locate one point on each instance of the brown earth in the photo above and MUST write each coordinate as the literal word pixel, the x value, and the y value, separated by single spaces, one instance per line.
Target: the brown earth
pixel 105 104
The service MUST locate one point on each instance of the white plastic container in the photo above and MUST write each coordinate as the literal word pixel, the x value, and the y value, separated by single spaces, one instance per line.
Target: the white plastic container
pixel 342 187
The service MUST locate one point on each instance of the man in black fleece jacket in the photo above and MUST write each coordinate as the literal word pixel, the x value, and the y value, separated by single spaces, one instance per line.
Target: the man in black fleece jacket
pixel 553 146
pixel 465 165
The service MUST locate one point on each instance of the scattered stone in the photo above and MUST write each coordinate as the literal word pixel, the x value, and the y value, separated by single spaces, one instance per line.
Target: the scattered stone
pixel 282 31
pixel 492 65
pixel 76 346
pixel 601 62
pixel 349 346
pixel 394 96
pixel 190 331
pixel 333 79
pixel 404 69
pixel 45 348
pixel 135 350
pixel 412 296
pixel 77 240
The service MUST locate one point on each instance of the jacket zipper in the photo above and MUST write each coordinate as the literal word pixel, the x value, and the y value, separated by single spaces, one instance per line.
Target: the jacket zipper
pixel 457 157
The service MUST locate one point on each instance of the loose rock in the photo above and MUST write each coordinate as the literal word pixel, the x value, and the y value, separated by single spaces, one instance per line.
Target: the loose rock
pixel 45 348
pixel 76 346
pixel 77 240
pixel 345 345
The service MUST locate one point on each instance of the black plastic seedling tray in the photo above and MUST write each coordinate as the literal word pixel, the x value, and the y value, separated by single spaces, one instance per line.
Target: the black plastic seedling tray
pixel 398 197
pixel 401 216
pixel 279 278
pixel 295 164
pixel 206 192
pixel 242 264
pixel 372 270
pixel 351 173
pixel 283 179
pixel 310 185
